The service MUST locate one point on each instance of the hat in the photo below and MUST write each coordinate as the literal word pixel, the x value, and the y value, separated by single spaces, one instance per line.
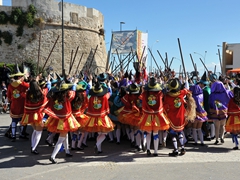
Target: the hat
pixel 61 86
pixel 81 86
pixel 41 82
pixel 133 88
pixel 98 90
pixel 174 85
pixel 213 77
pixel 236 95
pixel 102 77
pixel 152 85
pixel 17 72
pixel 203 79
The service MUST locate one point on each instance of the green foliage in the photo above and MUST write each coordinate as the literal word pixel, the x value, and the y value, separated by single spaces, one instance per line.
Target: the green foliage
pixel 7 36
pixel 16 15
pixel 0 33
pixel 29 19
pixel 32 9
pixel 10 66
pixel 0 42
pixel 19 31
pixel 3 17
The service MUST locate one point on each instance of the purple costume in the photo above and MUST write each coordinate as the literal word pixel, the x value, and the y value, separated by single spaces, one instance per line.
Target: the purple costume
pixel 218 101
pixel 197 94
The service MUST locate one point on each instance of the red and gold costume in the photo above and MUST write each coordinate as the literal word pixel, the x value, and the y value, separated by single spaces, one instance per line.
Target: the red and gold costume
pixel 60 114
pixel 33 112
pixel 15 89
pixel 130 113
pixel 233 122
pixel 79 109
pixel 98 110
pixel 153 118
pixel 174 107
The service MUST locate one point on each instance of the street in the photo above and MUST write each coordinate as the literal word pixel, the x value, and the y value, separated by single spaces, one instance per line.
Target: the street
pixel 116 162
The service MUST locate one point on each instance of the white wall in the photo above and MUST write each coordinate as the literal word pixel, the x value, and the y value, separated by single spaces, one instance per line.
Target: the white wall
pixel 236 54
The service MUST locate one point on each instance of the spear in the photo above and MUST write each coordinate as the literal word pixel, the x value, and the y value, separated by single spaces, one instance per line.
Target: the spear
pixel 50 54
pixel 215 69
pixel 166 61
pixel 39 52
pixel 73 60
pixel 79 63
pixel 182 58
pixel 109 66
pixel 116 67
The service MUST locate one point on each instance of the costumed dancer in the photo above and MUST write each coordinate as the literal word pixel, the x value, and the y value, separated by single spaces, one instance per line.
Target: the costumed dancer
pixel 35 102
pixel 15 89
pixel 130 113
pixel 98 110
pixel 61 119
pixel 116 103
pixel 218 101
pixel 153 118
pixel 201 114
pixel 204 84
pixel 233 122
pixel 174 104
pixel 79 105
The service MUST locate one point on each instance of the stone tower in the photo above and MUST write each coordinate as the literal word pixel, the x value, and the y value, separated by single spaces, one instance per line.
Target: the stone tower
pixel 83 30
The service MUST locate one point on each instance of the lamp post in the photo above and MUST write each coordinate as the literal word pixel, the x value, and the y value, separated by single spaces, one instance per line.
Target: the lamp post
pixel 121 25
pixel 63 72
pixel 151 68
pixel 202 55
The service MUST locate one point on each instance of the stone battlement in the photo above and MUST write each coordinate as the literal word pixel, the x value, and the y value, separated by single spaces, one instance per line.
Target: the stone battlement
pixel 52 10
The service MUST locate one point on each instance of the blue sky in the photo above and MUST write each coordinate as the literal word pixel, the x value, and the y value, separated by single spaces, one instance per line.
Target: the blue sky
pixel 200 25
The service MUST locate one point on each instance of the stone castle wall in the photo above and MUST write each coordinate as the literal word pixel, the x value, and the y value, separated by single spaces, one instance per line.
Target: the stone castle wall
pixel 82 28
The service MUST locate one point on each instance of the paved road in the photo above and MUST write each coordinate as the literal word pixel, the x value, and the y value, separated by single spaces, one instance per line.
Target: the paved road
pixel 116 162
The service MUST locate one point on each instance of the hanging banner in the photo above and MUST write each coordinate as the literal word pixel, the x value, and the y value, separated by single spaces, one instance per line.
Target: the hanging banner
pixel 142 42
pixel 123 42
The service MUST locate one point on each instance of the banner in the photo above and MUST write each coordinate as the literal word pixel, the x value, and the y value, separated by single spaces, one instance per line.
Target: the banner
pixel 142 43
pixel 123 42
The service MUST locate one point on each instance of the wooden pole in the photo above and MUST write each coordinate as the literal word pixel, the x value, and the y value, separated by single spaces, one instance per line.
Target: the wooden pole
pixel 70 62
pixel 154 59
pixel 182 58
pixel 79 63
pixel 204 65
pixel 194 66
pixel 171 62
pixel 73 60
pixel 39 45
pixel 50 53
pixel 90 65
pixel 162 59
pixel 219 56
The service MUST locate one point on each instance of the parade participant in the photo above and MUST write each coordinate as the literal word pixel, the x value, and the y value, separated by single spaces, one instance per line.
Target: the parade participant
pixel 14 91
pixel 174 104
pixel 233 122
pixel 201 117
pixel 218 103
pixel 98 110
pixel 153 118
pixel 115 103
pixel 204 84
pixel 61 119
pixel 35 101
pixel 79 105
pixel 130 113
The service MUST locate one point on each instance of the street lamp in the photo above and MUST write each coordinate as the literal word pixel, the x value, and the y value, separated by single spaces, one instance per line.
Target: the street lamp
pixel 151 68
pixel 202 55
pixel 121 25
